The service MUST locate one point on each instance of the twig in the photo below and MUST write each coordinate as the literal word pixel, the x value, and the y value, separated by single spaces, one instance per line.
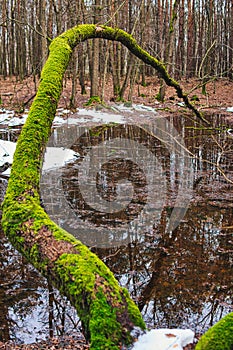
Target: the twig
pixel 30 26
pixel 117 10
pixel 203 60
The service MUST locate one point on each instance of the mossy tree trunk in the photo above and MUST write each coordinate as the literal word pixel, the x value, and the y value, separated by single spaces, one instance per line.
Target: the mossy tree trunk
pixel 106 310
pixel 219 336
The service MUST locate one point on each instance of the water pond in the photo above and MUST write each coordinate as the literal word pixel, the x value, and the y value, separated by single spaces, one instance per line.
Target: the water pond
pixel 152 197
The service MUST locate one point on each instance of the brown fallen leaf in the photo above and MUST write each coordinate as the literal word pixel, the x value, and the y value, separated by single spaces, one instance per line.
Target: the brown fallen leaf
pixel 170 335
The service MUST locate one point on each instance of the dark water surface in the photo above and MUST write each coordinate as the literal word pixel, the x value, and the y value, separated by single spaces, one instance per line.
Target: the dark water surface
pixel 180 277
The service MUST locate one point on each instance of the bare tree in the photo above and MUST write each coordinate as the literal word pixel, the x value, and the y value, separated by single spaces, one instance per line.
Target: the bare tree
pixel 95 53
pixel 189 34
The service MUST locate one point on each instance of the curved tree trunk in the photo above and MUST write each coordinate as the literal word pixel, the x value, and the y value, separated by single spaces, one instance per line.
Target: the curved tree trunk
pixel 106 310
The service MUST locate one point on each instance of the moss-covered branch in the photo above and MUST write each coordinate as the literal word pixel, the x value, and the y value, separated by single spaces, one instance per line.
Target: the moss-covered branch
pixel 128 41
pixel 218 337
pixel 106 310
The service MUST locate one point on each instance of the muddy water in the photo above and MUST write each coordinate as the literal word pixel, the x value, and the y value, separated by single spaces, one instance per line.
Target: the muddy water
pixel 164 225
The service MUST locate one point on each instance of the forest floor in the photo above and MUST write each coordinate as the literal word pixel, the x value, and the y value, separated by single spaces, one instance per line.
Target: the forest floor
pixel 63 343
pixel 75 342
pixel 15 94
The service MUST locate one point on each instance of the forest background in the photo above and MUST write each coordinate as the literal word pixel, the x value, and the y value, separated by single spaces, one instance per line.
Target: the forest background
pixel 193 38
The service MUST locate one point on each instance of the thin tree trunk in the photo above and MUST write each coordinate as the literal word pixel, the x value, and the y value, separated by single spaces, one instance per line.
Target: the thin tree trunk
pixel 95 69
pixel 115 75
pixel 230 48
pixel 190 40
pixel 4 40
pixel 180 55
pixel 74 60
pixel 168 53
pixel 104 75
pixel 12 40
pixel 95 55
pixel 127 77
pixel 81 68
pixel 44 49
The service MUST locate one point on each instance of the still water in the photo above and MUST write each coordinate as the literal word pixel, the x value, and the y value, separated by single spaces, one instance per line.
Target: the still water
pixel 154 201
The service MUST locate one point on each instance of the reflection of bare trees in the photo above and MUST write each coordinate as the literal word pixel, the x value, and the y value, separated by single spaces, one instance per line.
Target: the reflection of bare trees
pixel 61 314
pixel 18 283
pixel 112 172
pixel 4 328
pixel 182 279
pixel 23 292
pixel 187 273
pixel 185 279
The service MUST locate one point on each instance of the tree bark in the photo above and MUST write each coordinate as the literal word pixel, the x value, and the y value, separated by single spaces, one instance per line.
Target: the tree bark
pixel 105 309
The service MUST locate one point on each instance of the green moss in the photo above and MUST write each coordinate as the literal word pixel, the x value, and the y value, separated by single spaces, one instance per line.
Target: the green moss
pixel 135 316
pixel 104 324
pixel 159 97
pixel 93 100
pixel 218 337
pixel 195 98
pixel 82 274
pixel 120 99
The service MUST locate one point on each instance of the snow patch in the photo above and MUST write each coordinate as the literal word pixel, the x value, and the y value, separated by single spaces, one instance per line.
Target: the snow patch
pixel 81 116
pixel 7 150
pixel 9 118
pixel 57 157
pixel 99 116
pixel 164 339
pixel 54 157
pixel 15 121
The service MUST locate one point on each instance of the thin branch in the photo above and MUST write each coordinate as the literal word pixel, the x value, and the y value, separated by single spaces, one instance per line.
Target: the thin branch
pixel 115 13
pixel 30 26
pixel 204 58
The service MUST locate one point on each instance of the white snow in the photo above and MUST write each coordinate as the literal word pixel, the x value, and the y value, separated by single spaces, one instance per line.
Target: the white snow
pixel 58 120
pixel 15 121
pixel 7 149
pixel 9 118
pixel 229 109
pixel 164 339
pixel 55 157
pixel 100 116
pixel 181 104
